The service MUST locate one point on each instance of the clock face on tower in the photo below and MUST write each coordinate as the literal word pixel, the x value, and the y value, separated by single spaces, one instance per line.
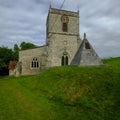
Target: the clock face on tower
pixel 64 19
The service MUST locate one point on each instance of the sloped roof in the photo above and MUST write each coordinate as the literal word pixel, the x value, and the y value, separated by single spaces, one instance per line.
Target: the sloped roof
pixel 12 65
pixel 77 57
pixel 86 55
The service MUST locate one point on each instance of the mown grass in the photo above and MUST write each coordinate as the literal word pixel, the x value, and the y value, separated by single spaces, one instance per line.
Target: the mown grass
pixel 63 93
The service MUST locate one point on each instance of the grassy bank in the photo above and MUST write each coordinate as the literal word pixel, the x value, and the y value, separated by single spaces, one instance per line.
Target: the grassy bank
pixel 63 93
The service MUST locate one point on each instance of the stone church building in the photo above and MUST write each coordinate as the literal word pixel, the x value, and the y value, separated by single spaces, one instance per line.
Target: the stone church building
pixel 63 46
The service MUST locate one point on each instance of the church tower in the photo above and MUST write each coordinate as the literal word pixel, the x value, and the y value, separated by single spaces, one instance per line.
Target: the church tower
pixel 62 36
pixel 63 46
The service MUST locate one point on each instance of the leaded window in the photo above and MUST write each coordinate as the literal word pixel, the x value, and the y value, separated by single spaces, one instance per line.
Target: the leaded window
pixel 64 60
pixel 65 27
pixel 35 63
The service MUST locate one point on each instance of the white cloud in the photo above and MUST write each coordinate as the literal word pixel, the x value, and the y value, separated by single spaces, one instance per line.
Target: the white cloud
pixel 25 20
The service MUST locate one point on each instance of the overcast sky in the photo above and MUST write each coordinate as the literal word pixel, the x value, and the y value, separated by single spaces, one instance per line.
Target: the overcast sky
pixel 25 20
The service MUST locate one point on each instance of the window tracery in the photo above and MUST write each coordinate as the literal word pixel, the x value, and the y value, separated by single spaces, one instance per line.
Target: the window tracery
pixel 35 63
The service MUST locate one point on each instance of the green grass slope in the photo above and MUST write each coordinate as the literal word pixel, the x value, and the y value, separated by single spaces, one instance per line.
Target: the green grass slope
pixel 63 93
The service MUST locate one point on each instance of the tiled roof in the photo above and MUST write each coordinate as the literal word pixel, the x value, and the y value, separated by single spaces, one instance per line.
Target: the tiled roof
pixel 12 64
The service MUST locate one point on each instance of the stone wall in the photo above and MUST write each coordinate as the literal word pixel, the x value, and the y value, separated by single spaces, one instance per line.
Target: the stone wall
pixel 26 57
pixel 58 43
pixel 54 24
pixel 11 72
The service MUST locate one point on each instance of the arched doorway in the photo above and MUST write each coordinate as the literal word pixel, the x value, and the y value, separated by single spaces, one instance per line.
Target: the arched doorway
pixel 64 60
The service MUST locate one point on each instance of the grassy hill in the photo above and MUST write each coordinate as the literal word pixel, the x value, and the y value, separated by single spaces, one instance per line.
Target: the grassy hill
pixel 63 93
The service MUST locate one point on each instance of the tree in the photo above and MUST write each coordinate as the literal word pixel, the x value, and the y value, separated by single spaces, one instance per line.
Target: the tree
pixel 6 55
pixel 16 52
pixel 27 45
pixel 16 48
pixel 23 46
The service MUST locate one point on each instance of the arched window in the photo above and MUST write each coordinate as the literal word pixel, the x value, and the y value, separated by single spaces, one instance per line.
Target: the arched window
pixel 65 27
pixel 64 60
pixel 87 45
pixel 35 63
pixel 65 21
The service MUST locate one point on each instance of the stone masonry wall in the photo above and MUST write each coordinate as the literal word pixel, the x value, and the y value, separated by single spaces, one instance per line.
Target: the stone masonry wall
pixel 60 44
pixel 60 41
pixel 26 57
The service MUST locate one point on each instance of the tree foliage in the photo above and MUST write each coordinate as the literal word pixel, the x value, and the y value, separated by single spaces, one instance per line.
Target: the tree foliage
pixel 7 54
pixel 16 52
pixel 28 45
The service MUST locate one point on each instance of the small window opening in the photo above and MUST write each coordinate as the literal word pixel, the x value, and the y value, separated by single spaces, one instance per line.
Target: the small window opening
pixel 64 60
pixel 65 27
pixel 35 63
pixel 87 45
